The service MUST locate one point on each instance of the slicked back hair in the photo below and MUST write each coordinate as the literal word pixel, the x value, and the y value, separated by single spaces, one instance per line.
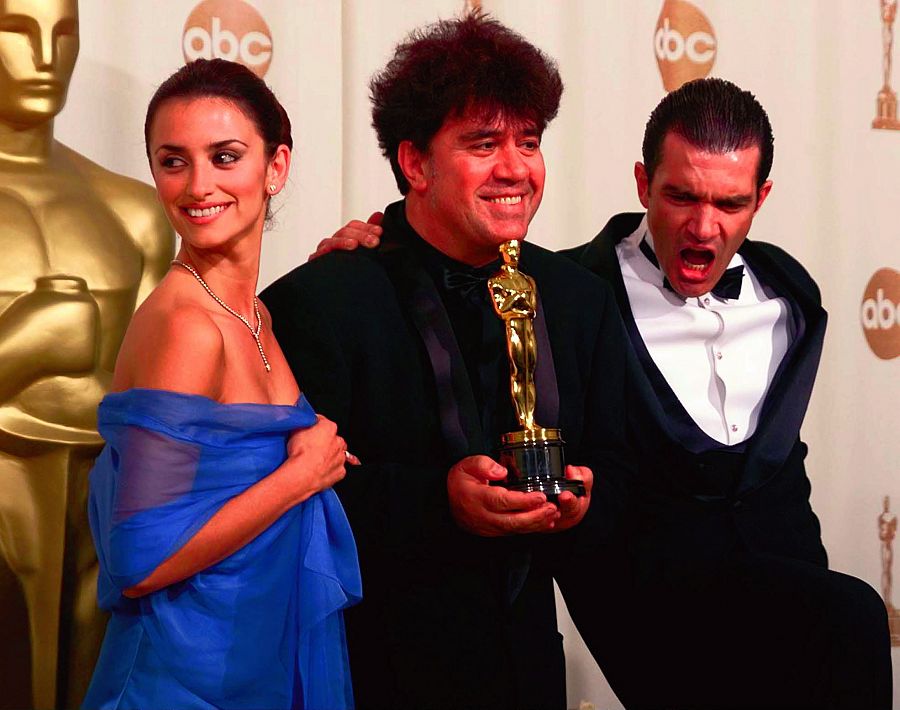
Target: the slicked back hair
pixel 713 115
pixel 451 67
pixel 229 81
pixel 232 82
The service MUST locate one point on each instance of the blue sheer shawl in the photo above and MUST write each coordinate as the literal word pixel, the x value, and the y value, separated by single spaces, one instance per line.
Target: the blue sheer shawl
pixel 263 628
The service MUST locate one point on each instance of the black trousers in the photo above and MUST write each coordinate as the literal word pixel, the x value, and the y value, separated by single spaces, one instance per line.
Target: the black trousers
pixel 761 632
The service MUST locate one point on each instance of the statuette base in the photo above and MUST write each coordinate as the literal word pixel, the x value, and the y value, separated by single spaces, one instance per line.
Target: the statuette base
pixel 535 459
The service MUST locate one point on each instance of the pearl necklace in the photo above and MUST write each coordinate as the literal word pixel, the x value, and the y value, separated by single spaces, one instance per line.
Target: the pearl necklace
pixel 253 332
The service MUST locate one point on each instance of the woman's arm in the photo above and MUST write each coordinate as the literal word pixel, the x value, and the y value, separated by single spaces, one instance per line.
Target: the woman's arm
pixel 316 461
pixel 182 350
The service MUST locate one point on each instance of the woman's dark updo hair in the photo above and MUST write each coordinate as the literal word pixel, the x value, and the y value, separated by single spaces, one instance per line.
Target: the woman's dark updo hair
pixel 230 81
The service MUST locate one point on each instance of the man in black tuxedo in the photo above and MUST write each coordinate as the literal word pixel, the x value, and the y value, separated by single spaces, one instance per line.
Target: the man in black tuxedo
pixel 730 602
pixel 721 596
pixel 401 347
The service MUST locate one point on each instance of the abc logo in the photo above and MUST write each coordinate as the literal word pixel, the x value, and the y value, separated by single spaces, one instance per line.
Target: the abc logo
pixel 228 29
pixel 684 43
pixel 880 313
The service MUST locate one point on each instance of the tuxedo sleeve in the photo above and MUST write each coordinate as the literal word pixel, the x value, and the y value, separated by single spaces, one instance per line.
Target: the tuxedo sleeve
pixel 592 570
pixel 400 504
pixel 581 553
pixel 606 447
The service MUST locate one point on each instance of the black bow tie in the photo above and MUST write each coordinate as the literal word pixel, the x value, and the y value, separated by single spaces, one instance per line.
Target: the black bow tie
pixel 471 285
pixel 728 286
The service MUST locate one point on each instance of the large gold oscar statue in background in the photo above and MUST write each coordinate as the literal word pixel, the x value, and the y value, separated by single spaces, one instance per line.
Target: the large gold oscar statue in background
pixel 79 248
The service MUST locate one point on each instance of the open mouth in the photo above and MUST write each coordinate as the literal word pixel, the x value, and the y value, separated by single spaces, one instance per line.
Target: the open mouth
pixel 697 261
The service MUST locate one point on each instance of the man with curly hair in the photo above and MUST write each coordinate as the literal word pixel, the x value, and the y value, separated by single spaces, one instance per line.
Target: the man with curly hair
pixel 401 347
pixel 726 600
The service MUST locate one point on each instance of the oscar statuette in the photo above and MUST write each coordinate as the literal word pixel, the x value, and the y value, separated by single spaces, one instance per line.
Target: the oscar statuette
pixel 886 103
pixel 533 455
pixel 887 530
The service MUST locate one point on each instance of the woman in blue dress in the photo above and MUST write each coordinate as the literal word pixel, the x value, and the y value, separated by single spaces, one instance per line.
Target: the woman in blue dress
pixel 225 556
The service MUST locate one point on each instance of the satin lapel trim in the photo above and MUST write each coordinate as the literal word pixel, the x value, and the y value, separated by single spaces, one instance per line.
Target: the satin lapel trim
pixel 460 424
pixel 547 405
pixel 600 255
pixel 788 398
pixel 601 258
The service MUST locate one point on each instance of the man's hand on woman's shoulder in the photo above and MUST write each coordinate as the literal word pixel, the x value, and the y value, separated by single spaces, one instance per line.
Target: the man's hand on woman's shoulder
pixel 352 235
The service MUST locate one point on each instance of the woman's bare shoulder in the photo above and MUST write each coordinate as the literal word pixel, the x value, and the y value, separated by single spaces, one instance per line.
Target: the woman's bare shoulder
pixel 172 343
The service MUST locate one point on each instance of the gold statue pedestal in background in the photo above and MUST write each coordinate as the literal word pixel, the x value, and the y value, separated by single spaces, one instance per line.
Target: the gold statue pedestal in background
pixel 534 456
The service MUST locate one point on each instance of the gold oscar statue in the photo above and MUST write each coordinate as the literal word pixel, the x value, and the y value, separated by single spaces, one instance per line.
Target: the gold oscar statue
pixel 887 529
pixel 79 248
pixel 886 107
pixel 533 455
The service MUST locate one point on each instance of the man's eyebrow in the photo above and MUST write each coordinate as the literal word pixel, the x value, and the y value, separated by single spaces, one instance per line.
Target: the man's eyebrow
pixel 735 201
pixel 738 200
pixel 480 133
pixel 676 190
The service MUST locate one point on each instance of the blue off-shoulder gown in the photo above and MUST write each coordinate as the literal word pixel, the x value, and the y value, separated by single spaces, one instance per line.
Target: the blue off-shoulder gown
pixel 263 628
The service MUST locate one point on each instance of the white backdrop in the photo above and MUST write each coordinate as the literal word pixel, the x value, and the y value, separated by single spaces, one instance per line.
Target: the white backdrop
pixel 816 65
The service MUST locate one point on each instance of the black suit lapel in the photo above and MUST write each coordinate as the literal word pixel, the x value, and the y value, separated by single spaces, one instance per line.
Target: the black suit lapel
pixel 459 416
pixel 458 413
pixel 599 255
pixel 546 411
pixel 788 397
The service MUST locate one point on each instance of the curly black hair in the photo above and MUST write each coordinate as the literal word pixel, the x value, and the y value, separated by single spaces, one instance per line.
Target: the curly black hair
pixel 453 66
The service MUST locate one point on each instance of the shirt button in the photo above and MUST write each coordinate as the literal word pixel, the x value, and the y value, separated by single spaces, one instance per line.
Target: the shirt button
pixel 706 301
pixel 734 427
pixel 719 355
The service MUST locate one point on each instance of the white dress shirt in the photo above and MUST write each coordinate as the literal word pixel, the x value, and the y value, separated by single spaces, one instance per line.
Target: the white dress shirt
pixel 718 355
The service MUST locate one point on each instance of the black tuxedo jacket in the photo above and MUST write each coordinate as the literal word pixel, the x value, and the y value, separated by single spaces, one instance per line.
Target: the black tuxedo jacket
pixel 448 619
pixel 768 508
pixel 691 551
